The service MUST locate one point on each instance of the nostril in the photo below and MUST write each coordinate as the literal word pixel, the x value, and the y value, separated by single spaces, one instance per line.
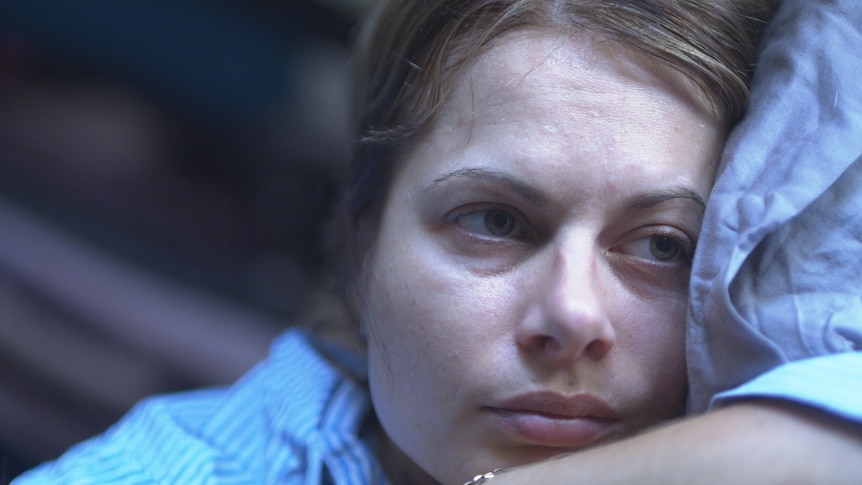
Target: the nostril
pixel 597 349
pixel 559 350
pixel 550 345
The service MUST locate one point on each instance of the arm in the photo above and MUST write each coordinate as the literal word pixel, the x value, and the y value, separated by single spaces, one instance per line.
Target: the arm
pixel 756 441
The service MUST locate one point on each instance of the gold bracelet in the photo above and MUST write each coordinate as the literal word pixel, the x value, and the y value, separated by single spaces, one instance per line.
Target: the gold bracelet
pixel 479 479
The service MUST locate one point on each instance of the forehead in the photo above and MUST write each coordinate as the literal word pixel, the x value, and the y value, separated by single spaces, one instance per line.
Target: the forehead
pixel 544 65
pixel 574 104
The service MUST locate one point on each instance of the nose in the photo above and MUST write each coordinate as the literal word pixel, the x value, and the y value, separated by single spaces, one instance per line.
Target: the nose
pixel 569 319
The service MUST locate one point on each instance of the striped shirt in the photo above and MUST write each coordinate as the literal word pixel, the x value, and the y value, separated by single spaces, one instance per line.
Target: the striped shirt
pixel 294 419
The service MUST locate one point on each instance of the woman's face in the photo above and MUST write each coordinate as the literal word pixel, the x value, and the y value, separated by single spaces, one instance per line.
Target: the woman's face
pixel 527 290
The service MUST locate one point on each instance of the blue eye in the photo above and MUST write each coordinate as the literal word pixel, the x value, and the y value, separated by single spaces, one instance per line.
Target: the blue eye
pixel 490 222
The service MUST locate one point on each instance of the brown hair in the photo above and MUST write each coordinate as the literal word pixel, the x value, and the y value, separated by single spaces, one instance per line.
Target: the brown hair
pixel 411 51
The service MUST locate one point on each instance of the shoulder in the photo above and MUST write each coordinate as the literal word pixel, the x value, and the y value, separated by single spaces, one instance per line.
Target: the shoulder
pixel 253 430
pixel 124 453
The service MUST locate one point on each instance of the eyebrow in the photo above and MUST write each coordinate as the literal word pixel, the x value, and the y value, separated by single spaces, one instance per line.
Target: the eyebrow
pixel 527 192
pixel 533 196
pixel 652 199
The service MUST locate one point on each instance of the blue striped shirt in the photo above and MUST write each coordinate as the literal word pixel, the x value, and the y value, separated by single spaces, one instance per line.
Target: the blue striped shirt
pixel 294 419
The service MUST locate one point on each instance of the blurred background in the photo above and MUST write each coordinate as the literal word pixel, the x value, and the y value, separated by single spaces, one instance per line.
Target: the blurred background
pixel 166 168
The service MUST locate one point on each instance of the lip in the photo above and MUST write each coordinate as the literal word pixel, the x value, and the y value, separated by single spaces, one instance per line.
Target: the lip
pixel 553 420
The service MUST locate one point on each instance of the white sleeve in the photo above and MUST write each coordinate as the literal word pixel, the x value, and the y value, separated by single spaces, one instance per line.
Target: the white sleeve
pixel 777 280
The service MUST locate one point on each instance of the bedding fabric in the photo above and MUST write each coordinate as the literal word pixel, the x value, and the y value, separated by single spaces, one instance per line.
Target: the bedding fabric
pixel 777 280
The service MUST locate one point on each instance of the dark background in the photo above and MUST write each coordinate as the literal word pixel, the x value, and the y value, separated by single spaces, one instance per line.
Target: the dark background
pixel 166 169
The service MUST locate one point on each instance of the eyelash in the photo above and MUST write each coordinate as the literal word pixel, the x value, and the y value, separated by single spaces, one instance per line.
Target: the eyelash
pixel 478 231
pixel 519 231
pixel 686 247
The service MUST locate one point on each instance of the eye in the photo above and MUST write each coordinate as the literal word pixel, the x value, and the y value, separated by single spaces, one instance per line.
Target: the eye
pixel 498 223
pixel 664 248
pixel 661 248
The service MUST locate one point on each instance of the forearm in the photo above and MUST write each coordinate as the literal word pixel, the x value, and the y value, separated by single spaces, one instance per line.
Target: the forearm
pixel 754 442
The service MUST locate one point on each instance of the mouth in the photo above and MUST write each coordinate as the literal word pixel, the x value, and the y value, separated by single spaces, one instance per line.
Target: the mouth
pixel 551 420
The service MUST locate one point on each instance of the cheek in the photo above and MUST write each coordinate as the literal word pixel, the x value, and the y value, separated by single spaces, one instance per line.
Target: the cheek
pixel 394 319
pixel 408 319
pixel 423 320
pixel 653 340
pixel 419 349
pixel 421 305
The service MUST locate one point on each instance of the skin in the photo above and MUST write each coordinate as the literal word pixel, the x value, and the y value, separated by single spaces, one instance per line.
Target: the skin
pixel 526 291
pixel 752 442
